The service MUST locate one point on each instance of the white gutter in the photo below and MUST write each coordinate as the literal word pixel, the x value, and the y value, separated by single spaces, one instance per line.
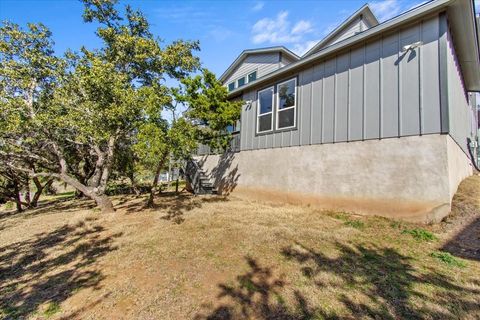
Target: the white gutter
pixel 394 22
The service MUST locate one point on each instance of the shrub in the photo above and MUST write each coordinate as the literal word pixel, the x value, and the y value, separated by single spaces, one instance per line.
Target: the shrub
pixel 420 234
pixel 448 259
pixel 52 308
pixel 357 224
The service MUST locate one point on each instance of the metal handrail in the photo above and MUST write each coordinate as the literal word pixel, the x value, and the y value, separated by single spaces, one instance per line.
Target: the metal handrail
pixel 234 146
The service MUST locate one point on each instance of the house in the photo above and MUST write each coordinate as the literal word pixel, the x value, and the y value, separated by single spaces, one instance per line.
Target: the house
pixel 373 119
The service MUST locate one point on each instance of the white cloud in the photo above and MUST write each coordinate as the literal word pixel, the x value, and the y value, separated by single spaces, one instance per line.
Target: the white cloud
pixel 302 26
pixel 301 48
pixel 258 6
pixel 278 30
pixel 386 9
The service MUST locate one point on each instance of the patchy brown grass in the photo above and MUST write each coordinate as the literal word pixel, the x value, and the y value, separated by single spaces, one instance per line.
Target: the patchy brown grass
pixel 228 258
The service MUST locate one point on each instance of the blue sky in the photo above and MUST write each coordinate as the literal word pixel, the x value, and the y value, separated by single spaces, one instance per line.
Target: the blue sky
pixel 224 28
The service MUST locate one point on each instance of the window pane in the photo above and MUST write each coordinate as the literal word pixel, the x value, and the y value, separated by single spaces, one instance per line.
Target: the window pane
pixel 265 100
pixel 252 76
pixel 241 82
pixel 231 86
pixel 286 94
pixel 286 118
pixel 265 123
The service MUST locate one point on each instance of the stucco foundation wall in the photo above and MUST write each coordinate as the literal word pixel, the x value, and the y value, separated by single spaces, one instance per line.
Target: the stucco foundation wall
pixel 459 165
pixel 405 178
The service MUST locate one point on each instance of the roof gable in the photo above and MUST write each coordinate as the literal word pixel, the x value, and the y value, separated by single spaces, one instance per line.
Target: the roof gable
pixel 462 21
pixel 359 21
pixel 245 53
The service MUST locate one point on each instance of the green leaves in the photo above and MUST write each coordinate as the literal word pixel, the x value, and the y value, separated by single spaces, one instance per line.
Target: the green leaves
pixel 209 107
pixel 76 116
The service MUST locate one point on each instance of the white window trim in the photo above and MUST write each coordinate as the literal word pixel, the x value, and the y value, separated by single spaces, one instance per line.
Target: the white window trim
pixel 245 78
pixel 256 76
pixel 278 110
pixel 272 89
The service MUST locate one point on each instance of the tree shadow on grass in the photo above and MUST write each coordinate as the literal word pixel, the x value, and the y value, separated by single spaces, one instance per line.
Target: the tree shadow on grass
pixel 45 206
pixel 51 267
pixel 175 205
pixel 374 283
pixel 466 243
pixel 388 281
pixel 257 294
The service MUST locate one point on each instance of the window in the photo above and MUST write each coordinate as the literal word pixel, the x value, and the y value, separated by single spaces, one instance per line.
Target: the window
pixel 241 82
pixel 286 104
pixel 265 110
pixel 231 86
pixel 252 76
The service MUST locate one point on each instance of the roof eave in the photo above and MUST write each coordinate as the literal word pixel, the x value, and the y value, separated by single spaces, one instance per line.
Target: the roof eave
pixel 463 26
pixel 364 10
pixel 431 7
pixel 245 53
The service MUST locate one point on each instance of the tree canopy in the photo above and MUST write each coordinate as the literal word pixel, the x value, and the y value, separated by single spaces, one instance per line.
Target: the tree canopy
pixel 72 117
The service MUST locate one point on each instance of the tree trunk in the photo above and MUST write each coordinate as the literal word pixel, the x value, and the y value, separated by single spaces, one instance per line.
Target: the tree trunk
pixel 27 193
pixel 38 193
pixel 133 182
pixel 95 192
pixel 104 203
pixel 155 183
pixel 18 200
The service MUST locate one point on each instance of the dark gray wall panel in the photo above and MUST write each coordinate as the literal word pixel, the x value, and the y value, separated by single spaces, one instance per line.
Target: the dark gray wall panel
pixel 277 140
pixel 341 97
pixel 286 138
pixel 355 113
pixel 389 86
pixel 429 75
pixel 460 113
pixel 305 108
pixel 409 83
pixel 269 141
pixel 328 102
pixel 317 92
pixel 372 90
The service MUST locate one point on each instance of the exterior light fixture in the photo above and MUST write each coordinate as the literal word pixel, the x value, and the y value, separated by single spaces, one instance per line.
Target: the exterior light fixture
pixel 412 46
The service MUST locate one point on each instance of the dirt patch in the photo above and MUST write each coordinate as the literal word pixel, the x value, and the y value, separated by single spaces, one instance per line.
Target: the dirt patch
pixel 224 258
pixel 463 224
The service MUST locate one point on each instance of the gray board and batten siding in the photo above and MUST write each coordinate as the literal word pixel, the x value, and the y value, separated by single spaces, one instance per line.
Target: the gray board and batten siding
pixel 372 90
pixel 460 112
pixel 262 63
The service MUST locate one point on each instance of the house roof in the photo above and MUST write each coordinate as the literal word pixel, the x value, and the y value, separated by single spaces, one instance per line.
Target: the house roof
pixel 463 27
pixel 247 52
pixel 363 13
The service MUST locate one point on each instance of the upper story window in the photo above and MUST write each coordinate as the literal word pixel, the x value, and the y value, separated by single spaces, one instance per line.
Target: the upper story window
pixel 241 82
pixel 286 104
pixel 231 86
pixel 265 110
pixel 252 76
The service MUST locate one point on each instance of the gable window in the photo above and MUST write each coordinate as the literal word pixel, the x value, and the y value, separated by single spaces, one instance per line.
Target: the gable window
pixel 252 76
pixel 286 104
pixel 231 86
pixel 265 110
pixel 241 82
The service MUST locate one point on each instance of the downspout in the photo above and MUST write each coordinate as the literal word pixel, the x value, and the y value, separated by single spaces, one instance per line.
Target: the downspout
pixel 469 144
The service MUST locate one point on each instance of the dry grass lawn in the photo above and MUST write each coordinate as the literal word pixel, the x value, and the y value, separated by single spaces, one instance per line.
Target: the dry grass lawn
pixel 228 258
